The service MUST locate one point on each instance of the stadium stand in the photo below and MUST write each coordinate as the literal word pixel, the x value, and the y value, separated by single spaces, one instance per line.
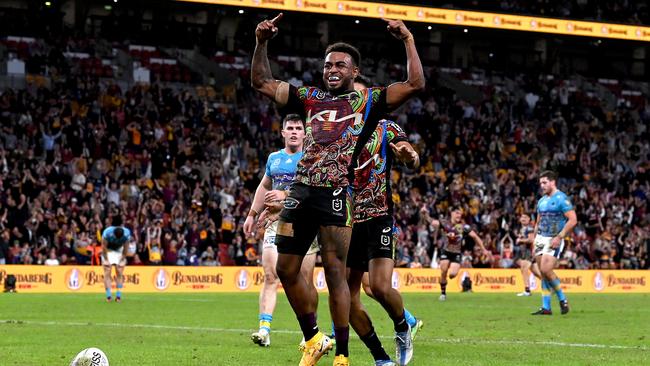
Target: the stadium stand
pixel 81 142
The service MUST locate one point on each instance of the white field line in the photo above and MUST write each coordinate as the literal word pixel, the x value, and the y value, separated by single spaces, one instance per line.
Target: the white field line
pixel 233 330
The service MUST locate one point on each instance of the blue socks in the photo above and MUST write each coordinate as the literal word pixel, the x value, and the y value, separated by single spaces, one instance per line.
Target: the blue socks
pixel 265 322
pixel 119 291
pixel 546 295
pixel 555 285
pixel 108 292
pixel 409 318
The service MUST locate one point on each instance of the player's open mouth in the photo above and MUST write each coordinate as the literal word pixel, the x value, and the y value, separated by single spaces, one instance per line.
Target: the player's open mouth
pixel 333 80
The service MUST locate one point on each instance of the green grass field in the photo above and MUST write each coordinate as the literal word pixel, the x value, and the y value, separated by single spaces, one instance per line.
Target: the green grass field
pixel 214 329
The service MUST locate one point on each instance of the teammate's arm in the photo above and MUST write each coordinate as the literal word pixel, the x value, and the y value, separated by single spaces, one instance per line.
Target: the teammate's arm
pixel 424 213
pixel 261 78
pixel 478 241
pixel 273 197
pixel 405 153
pixel 398 93
pixel 572 221
pixel 258 205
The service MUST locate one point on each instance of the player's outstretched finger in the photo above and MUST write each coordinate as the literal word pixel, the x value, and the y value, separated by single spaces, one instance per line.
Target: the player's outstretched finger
pixel 275 20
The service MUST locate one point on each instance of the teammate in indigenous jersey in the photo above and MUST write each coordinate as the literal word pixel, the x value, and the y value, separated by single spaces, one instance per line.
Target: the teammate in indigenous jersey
pixel 319 202
pixel 372 247
pixel 454 232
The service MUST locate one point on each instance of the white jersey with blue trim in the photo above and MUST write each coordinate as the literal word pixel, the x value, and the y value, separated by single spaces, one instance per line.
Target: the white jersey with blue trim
pixel 112 242
pixel 551 210
pixel 281 168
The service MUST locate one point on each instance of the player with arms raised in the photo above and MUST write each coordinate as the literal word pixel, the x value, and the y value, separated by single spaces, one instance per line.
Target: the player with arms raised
pixel 320 201
pixel 556 218
pixel 455 231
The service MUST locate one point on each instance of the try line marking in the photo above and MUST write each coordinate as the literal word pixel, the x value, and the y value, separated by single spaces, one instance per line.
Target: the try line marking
pixel 286 331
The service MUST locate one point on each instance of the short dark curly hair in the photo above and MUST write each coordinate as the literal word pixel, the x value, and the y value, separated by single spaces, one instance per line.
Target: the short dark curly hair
pixel 548 174
pixel 345 48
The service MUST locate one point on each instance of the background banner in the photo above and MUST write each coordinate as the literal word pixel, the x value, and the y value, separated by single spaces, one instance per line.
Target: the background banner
pixel 448 16
pixel 90 279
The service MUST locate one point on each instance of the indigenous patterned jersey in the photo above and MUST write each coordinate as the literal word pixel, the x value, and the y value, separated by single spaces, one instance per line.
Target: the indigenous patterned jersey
pixel 281 168
pixel 551 212
pixel 372 196
pixel 455 233
pixel 333 125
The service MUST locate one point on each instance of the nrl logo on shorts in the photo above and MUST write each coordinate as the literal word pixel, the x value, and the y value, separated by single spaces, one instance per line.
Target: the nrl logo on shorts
pixel 337 205
pixel 290 203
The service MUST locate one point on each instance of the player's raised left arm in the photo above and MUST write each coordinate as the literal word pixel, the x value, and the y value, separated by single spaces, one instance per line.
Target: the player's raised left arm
pixel 398 93
pixel 261 78
pixel 478 241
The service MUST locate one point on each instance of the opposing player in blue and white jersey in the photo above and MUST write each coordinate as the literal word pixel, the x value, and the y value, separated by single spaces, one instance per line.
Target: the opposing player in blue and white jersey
pixel 114 248
pixel 556 218
pixel 273 190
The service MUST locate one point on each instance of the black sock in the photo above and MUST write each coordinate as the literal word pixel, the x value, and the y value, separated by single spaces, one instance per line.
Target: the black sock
pixel 401 325
pixel 342 335
pixel 527 289
pixel 443 288
pixel 374 345
pixel 308 325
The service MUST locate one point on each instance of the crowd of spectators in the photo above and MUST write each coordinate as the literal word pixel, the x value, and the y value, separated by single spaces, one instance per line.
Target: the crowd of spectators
pixel 486 157
pixel 180 167
pixel 617 11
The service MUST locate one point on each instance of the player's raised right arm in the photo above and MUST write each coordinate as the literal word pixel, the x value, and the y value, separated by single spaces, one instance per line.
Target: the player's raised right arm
pixel 261 78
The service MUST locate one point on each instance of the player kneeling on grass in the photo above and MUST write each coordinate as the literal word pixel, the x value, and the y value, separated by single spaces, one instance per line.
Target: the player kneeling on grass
pixel 114 250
